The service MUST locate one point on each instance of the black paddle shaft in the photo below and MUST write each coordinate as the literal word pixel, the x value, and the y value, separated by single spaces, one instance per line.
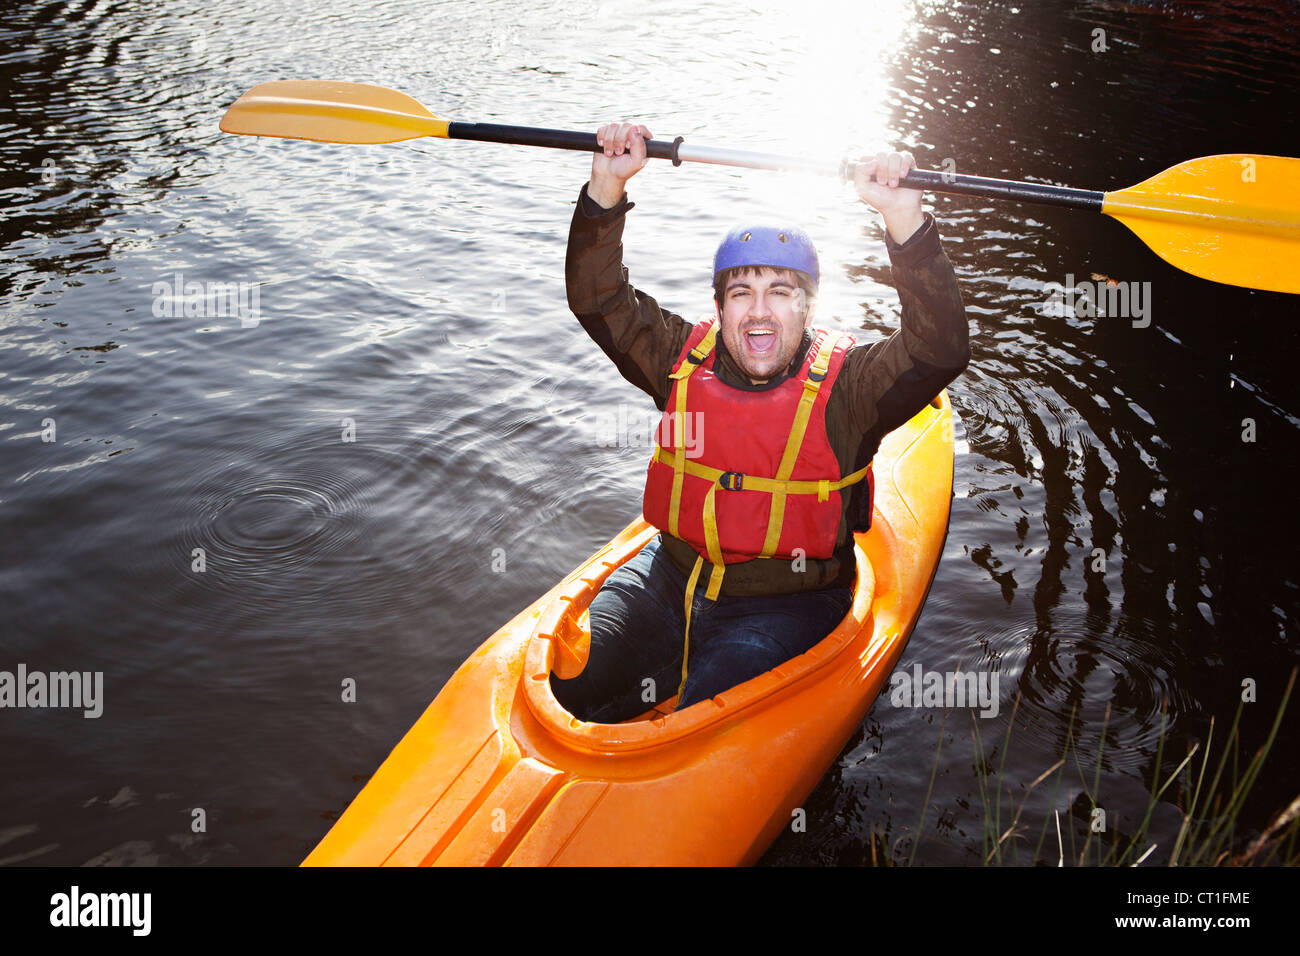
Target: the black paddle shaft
pixel 942 182
pixel 1040 193
pixel 554 138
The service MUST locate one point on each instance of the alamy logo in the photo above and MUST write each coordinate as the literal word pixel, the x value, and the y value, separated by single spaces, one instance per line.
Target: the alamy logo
pixel 1104 297
pixel 76 908
pixel 35 689
pixel 208 300
pixel 641 428
pixel 949 690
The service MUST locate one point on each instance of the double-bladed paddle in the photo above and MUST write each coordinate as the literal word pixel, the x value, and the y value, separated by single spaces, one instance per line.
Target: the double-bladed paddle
pixel 1233 218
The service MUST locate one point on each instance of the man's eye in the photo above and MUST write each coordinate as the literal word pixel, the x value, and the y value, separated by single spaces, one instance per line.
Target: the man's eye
pixel 781 291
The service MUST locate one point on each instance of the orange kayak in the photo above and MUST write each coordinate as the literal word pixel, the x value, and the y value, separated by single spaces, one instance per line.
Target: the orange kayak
pixel 496 772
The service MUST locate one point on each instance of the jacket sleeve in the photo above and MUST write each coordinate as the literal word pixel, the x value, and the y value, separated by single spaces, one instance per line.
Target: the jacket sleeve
pixel 892 381
pixel 642 339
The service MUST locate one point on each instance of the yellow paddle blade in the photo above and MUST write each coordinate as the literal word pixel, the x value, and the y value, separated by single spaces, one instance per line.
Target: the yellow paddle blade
pixel 1233 218
pixel 330 113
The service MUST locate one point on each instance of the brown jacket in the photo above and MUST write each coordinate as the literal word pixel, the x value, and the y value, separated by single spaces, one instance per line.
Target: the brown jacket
pixel 880 386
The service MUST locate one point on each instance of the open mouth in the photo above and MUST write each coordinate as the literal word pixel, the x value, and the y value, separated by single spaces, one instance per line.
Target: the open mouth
pixel 760 341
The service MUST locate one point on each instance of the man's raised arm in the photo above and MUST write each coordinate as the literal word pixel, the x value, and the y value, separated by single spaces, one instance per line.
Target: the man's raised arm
pixel 894 380
pixel 642 339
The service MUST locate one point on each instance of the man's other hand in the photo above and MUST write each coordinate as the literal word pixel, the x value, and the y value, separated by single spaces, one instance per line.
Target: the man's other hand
pixel 876 180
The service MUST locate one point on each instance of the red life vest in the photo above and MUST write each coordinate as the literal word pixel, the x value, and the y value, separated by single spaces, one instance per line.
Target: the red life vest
pixel 764 480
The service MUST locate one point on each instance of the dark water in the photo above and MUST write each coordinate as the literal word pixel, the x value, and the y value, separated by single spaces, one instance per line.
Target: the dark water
pixel 414 293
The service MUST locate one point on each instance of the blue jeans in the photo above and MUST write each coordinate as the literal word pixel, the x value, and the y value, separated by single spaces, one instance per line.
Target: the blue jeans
pixel 638 621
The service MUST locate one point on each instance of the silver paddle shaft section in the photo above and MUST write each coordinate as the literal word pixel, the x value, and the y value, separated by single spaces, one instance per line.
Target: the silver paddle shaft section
pixel 739 157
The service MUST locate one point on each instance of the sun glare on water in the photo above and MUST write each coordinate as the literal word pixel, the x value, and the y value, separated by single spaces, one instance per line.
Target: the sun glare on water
pixel 836 84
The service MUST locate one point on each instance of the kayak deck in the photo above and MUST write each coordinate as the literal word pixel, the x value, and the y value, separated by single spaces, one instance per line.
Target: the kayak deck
pixel 497 772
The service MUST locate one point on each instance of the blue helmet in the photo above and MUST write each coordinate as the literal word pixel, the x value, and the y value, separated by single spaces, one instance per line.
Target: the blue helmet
pixel 782 247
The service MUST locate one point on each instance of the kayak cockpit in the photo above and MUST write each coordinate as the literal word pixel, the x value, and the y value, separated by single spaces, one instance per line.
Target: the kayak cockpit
pixel 561 637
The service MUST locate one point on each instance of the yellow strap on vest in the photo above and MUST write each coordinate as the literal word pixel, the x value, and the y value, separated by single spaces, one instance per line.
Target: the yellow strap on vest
pixel 686 647
pixel 712 544
pixel 811 386
pixel 715 581
pixel 821 488
pixel 682 375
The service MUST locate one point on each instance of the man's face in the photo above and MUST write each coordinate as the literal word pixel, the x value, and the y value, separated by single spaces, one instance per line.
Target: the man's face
pixel 763 315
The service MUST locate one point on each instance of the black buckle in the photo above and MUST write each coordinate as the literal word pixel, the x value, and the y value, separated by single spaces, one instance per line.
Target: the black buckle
pixel 732 480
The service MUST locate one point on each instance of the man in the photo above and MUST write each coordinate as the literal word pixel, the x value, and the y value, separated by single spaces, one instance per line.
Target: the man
pixel 754 563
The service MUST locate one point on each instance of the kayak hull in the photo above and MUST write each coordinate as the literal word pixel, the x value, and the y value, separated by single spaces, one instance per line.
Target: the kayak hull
pixel 495 772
